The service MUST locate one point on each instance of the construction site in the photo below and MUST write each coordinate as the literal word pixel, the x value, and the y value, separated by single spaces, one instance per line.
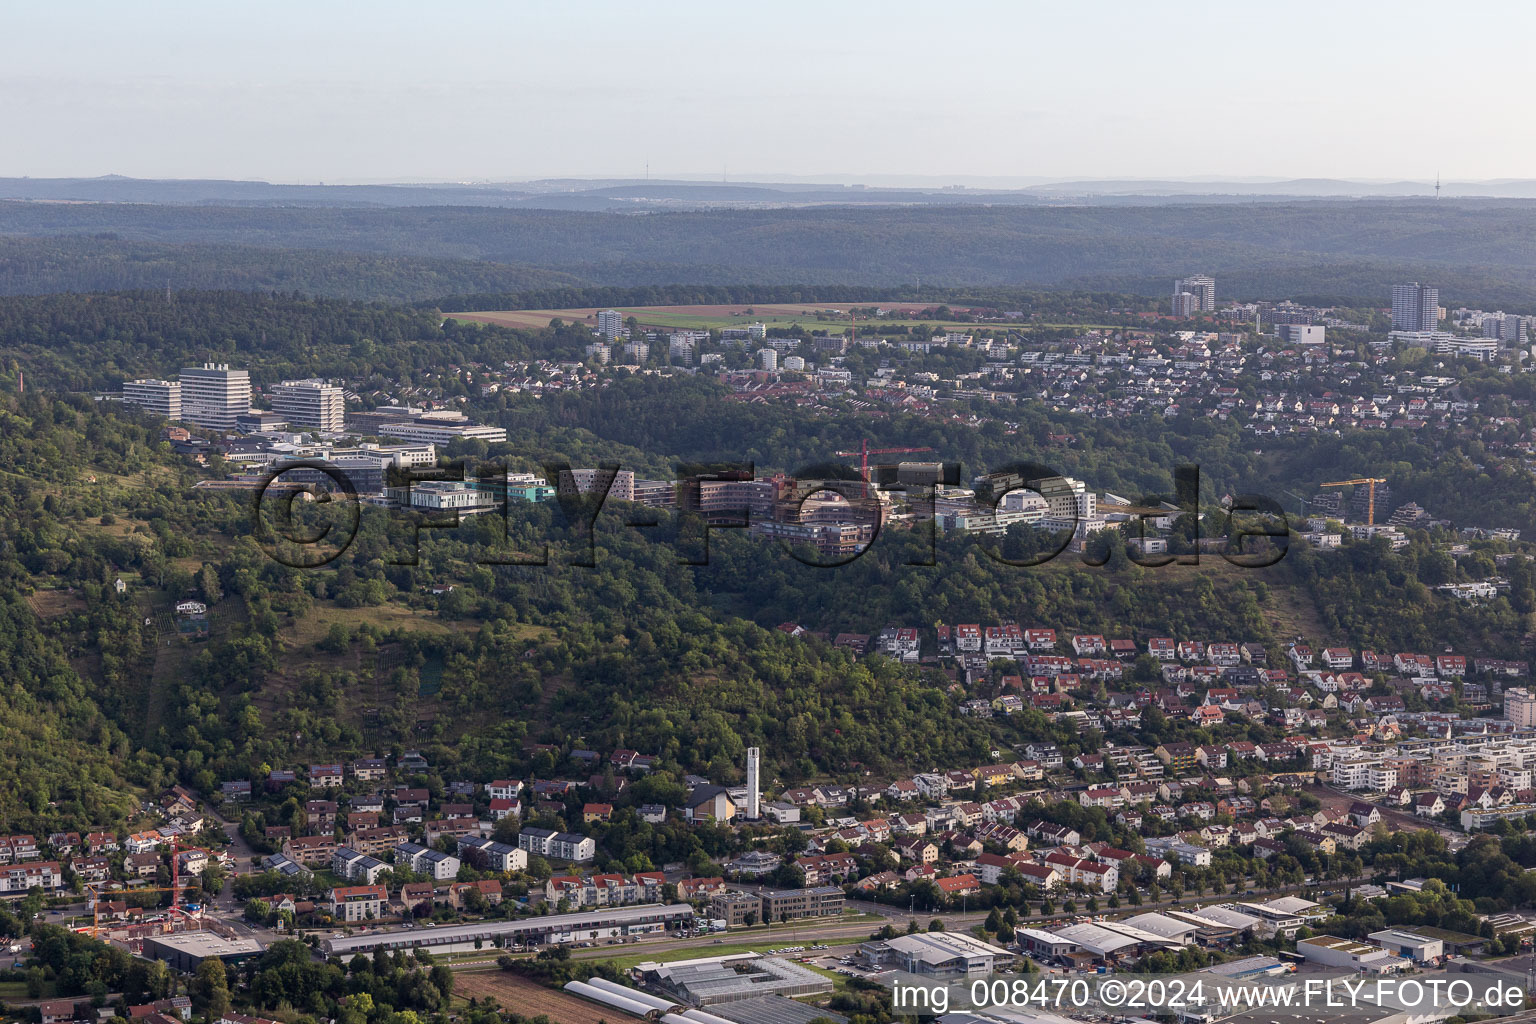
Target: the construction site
pixel 180 934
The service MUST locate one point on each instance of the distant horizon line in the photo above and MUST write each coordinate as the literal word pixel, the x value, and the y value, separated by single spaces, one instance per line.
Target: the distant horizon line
pixel 883 181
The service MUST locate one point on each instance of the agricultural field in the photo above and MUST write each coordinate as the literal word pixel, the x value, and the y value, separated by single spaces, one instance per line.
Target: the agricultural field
pixel 703 318
pixel 527 998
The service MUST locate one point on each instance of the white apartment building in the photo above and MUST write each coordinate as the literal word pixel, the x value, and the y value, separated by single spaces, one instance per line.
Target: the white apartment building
pixel 161 397
pixel 1352 773
pixel 313 404
pixel 212 395
pixel 1515 779
pixel 1380 777
pixel 681 349
pixel 610 323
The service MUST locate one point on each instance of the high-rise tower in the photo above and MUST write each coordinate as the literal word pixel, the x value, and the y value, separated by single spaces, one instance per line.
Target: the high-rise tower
pixel 754 784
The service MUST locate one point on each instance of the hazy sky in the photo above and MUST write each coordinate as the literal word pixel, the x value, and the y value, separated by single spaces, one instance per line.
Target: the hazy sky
pixel 380 90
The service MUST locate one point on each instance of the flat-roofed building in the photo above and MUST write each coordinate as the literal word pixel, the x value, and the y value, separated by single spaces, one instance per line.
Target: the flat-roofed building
pixel 213 395
pixel 940 954
pixel 161 397
pixel 791 904
pixel 620 484
pixel 593 926
pixel 726 979
pixel 1044 943
pixel 312 404
pixel 1421 949
pixel 1332 951
pixel 184 951
pixel 736 909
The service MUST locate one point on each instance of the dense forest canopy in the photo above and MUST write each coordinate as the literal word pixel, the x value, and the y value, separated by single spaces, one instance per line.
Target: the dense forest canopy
pixel 1353 250
pixel 105 262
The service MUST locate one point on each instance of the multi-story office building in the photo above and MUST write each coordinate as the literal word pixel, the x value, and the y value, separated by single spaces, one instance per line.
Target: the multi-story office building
pixel 1202 287
pixel 312 404
pixel 791 904
pixel 161 397
pixel 1415 307
pixel 213 395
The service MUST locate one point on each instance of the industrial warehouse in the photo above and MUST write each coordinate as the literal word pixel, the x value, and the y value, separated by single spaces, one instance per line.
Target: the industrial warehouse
pixel 742 989
pixel 724 979
pixel 613 923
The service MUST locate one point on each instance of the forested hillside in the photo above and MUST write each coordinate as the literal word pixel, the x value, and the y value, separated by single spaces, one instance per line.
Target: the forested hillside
pixel 360 655
pixel 104 262
pixel 1476 250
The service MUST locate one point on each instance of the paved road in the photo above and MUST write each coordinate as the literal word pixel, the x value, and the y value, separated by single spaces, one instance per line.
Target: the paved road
pixel 243 855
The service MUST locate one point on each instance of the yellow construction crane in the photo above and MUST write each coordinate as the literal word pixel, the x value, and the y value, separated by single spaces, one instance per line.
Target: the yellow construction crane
pixel 1370 505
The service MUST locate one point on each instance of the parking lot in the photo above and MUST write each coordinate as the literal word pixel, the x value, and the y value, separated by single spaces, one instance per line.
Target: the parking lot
pixel 838 959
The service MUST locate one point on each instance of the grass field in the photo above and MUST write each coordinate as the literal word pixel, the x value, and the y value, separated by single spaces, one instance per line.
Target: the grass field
pixel 312 627
pixel 14 991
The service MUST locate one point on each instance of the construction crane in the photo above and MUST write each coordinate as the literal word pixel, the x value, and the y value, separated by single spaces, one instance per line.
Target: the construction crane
pixel 97 896
pixel 1369 481
pixel 176 888
pixel 865 451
